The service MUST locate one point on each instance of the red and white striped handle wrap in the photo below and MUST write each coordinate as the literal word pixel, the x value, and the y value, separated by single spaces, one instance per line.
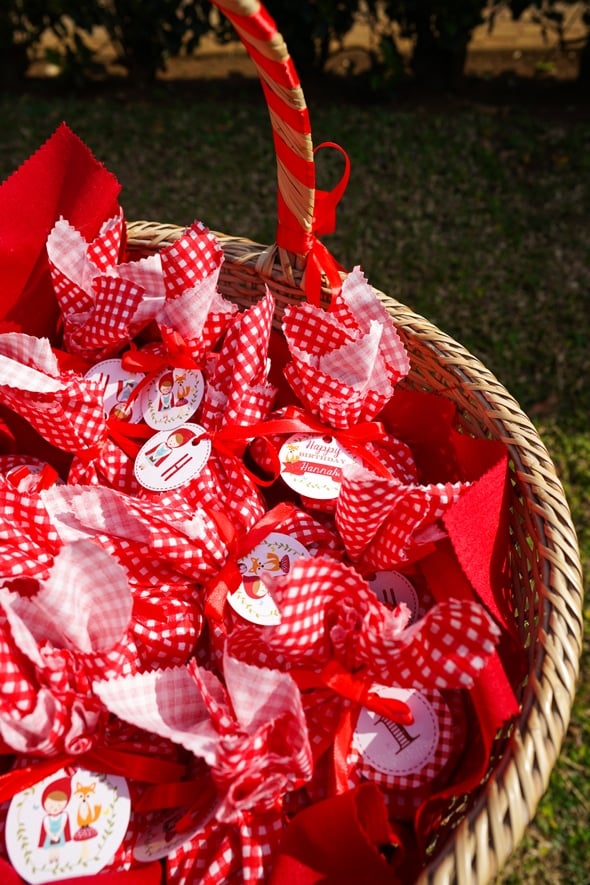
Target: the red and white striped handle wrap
pixel 298 219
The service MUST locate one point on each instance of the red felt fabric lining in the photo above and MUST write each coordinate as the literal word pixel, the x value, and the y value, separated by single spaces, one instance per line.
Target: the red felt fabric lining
pixel 61 178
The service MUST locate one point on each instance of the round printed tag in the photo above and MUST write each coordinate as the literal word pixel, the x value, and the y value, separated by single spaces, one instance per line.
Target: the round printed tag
pixel 408 760
pixel 172 398
pixel 312 465
pixel 392 587
pixel 118 387
pixel 67 825
pixel 394 749
pixel 271 558
pixel 162 836
pixel 172 458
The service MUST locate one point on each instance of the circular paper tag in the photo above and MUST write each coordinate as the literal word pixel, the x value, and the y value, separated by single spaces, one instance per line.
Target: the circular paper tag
pixel 401 750
pixel 312 465
pixel 161 837
pixel 172 458
pixel 392 587
pixel 67 825
pixel 118 387
pixel 271 558
pixel 172 398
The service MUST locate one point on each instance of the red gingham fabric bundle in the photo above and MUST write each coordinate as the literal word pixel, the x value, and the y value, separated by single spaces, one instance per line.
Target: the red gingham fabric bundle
pixel 103 304
pixel 123 650
pixel 238 390
pixel 158 542
pixel 168 551
pixel 53 645
pixel 250 731
pixel 29 538
pixel 64 408
pixel 328 613
pixel 194 306
pixel 345 364
pixel 385 522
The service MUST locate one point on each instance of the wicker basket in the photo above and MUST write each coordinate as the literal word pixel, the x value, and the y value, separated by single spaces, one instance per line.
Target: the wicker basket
pixel 547 583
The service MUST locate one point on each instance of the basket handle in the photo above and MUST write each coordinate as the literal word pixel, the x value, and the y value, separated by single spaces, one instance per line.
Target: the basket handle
pixel 302 211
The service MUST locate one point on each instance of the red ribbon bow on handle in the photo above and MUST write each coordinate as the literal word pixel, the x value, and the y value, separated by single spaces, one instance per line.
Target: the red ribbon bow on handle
pixel 290 236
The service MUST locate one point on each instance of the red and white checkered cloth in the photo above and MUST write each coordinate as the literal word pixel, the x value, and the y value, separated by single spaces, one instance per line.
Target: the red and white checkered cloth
pixel 28 539
pixel 172 541
pixel 385 522
pixel 103 303
pixel 345 363
pixel 404 793
pixel 169 550
pixel 251 732
pixel 222 485
pixel 238 390
pixel 54 644
pixel 194 307
pixel 236 854
pixel 64 408
pixel 328 612
pixel 106 465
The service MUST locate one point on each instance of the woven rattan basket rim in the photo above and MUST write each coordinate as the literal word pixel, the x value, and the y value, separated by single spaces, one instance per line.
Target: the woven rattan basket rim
pixel 496 822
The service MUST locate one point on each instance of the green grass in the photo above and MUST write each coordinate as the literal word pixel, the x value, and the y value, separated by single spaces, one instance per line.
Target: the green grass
pixel 475 216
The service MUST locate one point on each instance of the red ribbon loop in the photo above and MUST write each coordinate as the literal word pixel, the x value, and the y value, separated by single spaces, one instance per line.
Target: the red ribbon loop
pixel 176 355
pixel 296 420
pixel 354 687
pixel 129 437
pixel 134 766
pixel 324 221
pixel 292 237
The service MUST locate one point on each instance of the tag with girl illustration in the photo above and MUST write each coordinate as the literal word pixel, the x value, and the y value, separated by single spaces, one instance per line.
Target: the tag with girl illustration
pixel 171 458
pixel 69 824
pixel 172 398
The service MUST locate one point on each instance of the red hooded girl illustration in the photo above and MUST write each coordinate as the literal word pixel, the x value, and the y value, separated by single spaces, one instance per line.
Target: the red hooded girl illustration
pixel 166 391
pixel 55 826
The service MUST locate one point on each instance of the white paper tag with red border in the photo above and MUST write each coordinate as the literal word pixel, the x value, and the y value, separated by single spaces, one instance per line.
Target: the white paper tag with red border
pixel 271 558
pixel 312 465
pixel 172 458
pixel 118 387
pixel 392 588
pixel 67 825
pixel 172 398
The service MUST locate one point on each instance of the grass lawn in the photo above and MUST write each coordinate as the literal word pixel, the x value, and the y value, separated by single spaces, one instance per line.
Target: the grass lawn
pixel 476 215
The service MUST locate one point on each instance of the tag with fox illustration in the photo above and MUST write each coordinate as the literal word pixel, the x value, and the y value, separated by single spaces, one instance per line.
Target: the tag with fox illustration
pixel 269 559
pixel 69 824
